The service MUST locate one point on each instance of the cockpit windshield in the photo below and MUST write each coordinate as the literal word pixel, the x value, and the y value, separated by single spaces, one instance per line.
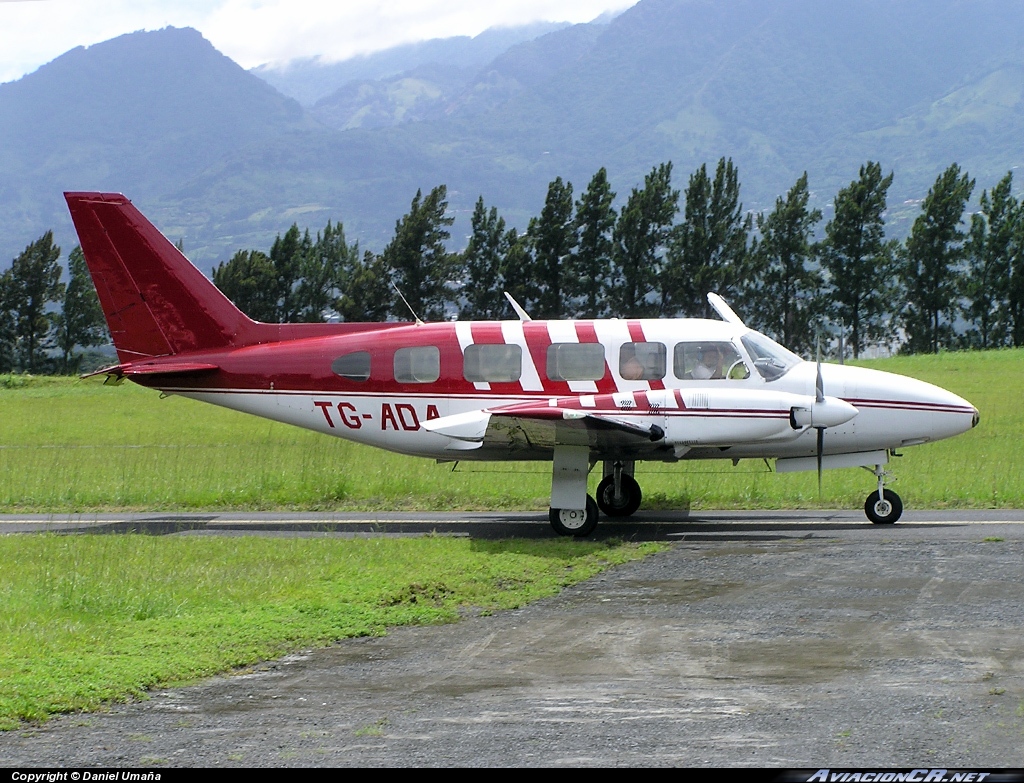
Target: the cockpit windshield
pixel 770 359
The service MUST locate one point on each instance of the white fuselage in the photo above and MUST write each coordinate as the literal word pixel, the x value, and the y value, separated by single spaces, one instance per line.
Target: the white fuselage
pixel 746 414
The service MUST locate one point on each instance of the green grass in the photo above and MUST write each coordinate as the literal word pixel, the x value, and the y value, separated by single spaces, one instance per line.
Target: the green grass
pixel 68 445
pixel 86 620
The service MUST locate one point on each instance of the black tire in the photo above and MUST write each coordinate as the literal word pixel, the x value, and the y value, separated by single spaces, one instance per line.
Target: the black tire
pixel 631 496
pixel 570 525
pixel 883 513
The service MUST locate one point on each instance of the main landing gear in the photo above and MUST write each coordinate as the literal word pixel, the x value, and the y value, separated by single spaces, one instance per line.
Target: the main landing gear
pixel 883 506
pixel 573 522
pixel 618 494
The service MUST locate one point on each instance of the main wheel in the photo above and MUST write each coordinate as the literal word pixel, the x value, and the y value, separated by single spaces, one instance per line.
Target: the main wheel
pixel 574 522
pixel 628 502
pixel 883 512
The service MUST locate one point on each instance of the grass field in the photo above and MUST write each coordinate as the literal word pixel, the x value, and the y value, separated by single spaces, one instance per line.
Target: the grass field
pixel 86 620
pixel 91 619
pixel 68 445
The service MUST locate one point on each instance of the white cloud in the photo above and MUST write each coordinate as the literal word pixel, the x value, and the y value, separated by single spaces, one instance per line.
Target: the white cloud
pixel 256 31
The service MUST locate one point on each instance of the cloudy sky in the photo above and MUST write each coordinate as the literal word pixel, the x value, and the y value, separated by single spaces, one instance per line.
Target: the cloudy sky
pixel 252 32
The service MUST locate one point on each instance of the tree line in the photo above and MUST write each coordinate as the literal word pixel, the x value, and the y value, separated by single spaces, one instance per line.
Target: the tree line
pixel 43 320
pixel 955 282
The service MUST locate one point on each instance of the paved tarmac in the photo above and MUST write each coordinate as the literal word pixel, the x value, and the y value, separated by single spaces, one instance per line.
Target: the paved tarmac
pixel 645 525
pixel 780 639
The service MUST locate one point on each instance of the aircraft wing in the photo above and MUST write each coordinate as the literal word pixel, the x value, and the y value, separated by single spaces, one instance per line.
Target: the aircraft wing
pixel 540 426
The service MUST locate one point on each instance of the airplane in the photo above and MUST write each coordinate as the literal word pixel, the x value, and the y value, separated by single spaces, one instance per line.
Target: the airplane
pixel 572 392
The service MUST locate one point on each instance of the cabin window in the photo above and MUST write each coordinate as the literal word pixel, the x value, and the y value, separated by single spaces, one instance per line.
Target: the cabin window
pixel 575 361
pixel 642 361
pixel 418 365
pixel 709 361
pixel 492 363
pixel 352 366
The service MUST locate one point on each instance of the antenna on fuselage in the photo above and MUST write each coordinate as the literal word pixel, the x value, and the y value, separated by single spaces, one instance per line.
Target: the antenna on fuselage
pixel 523 315
pixel 419 321
pixel 724 310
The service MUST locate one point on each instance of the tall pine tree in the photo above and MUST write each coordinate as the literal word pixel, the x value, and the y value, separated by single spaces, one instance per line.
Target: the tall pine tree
pixel 859 262
pixel 788 285
pixel 990 251
pixel 590 265
pixel 7 334
pixel 419 263
pixel 639 240
pixel 1015 282
pixel 321 270
pixel 365 290
pixel 33 287
pixel 482 266
pixel 287 254
pixel 80 321
pixel 932 262
pixel 553 238
pixel 517 271
pixel 249 280
pixel 708 249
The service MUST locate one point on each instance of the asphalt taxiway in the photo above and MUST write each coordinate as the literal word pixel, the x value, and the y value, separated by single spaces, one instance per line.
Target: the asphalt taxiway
pixel 781 639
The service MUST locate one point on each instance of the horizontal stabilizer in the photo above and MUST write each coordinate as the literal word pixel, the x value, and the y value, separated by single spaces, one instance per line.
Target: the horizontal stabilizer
pixel 155 368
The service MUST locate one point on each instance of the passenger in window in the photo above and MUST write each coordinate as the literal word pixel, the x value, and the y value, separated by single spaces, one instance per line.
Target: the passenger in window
pixel 709 364
pixel 630 367
pixel 642 361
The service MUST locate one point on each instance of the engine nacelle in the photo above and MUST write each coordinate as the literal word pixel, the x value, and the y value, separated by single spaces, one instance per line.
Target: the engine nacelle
pixel 830 412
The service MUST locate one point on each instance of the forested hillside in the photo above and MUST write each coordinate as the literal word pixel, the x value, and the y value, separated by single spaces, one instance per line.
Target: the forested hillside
pixel 223 161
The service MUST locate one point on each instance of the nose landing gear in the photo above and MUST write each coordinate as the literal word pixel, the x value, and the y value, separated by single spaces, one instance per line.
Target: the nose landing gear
pixel 883 506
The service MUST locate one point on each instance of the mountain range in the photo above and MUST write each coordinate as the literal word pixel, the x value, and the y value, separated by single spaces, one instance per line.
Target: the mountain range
pixel 222 159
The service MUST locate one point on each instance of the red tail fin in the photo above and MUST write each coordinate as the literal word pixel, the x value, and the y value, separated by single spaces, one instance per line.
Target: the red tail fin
pixel 155 301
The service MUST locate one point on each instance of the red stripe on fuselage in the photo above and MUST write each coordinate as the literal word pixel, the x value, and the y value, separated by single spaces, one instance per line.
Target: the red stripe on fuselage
pixel 538 340
pixel 636 334
pixel 586 333
pixel 936 407
pixel 487 333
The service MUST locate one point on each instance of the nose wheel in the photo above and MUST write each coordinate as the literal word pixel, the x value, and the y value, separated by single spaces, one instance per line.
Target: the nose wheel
pixel 883 506
pixel 883 510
